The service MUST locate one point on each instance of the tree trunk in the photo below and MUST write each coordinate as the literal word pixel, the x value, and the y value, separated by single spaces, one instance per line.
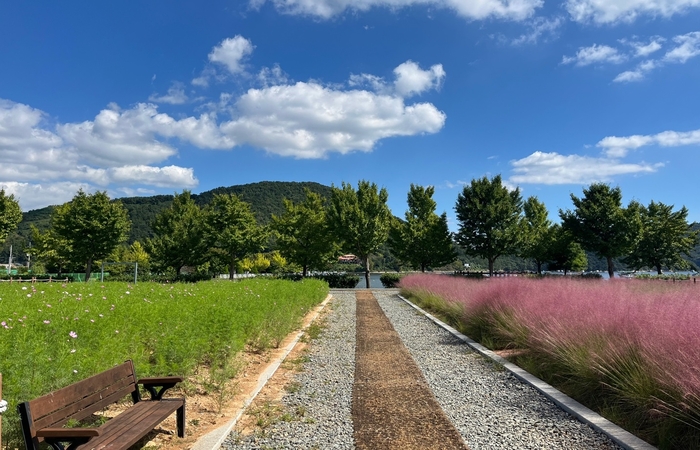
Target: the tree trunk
pixel 304 271
pixel 491 267
pixel 366 261
pixel 177 271
pixel 539 268
pixel 422 267
pixel 88 269
pixel 658 269
pixel 611 267
pixel 232 268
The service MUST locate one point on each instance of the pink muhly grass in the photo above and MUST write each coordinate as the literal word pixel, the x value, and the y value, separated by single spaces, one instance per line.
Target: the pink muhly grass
pixel 608 324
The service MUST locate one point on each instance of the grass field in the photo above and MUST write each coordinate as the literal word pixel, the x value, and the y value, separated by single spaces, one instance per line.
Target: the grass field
pixel 627 348
pixel 53 334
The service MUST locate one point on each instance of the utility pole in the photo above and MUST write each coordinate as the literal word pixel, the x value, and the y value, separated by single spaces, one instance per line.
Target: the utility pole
pixel 9 262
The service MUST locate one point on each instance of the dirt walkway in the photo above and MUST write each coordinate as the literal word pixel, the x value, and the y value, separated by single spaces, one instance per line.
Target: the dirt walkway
pixel 393 407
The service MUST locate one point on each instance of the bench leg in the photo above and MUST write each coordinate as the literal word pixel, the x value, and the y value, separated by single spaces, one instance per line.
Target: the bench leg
pixel 181 421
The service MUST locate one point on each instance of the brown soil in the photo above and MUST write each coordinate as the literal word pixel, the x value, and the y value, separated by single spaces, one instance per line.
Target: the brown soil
pixel 393 406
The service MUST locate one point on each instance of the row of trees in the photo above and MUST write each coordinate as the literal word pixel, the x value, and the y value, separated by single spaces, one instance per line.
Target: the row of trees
pixel 493 221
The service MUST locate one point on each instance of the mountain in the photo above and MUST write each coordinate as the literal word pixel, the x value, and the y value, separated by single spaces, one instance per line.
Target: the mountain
pixel 265 198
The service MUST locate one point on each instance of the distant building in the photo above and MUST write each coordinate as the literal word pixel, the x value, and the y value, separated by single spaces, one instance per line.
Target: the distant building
pixel 349 259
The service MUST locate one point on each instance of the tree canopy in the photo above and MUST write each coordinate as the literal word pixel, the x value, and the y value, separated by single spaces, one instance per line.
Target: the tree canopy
pixel 92 227
pixel 10 214
pixel 423 240
pixel 537 233
pixel 665 236
pixel 303 235
pixel 488 215
pixel 360 219
pixel 600 223
pixel 233 231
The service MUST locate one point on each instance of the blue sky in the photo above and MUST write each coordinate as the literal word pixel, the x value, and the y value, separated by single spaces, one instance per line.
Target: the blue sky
pixel 146 97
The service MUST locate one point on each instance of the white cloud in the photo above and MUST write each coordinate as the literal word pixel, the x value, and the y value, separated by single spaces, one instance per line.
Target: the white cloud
pixel 539 26
pixel 231 52
pixel 638 73
pixel 595 54
pixel 689 47
pixel 554 168
pixel 307 120
pixel 175 96
pixel 272 76
pixel 611 11
pixel 470 9
pixel 615 146
pixel 34 196
pixel 409 80
pixel 644 50
pixel 412 80
pixel 169 176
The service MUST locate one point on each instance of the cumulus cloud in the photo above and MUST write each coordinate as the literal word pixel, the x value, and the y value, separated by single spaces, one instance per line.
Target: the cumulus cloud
pixel 230 53
pixel 611 11
pixel 688 47
pixel 272 76
pixel 409 80
pixel 554 168
pixel 615 146
pixel 175 96
pixel 38 195
pixel 595 54
pixel 470 9
pixel 307 120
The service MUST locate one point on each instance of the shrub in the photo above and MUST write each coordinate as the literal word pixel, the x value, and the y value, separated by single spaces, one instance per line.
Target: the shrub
pixel 390 280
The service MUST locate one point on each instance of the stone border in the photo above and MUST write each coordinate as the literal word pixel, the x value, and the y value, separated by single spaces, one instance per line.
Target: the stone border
pixel 621 437
pixel 214 439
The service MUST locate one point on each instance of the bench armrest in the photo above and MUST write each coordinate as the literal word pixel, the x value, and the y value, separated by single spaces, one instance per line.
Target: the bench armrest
pixel 164 382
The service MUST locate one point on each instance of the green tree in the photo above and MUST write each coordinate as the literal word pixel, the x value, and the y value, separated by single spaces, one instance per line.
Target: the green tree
pixel 564 252
pixel 10 215
pixel 536 232
pixel 92 225
pixel 423 240
pixel 179 235
pixel 233 231
pixel 488 215
pixel 303 235
pixel 665 236
pixel 49 249
pixel 360 220
pixel 600 223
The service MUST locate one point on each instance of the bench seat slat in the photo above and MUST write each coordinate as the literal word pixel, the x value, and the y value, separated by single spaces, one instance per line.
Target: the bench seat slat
pixel 130 426
pixel 56 400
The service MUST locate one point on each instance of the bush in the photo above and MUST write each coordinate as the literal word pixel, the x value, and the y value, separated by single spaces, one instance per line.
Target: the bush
pixel 334 280
pixel 390 280
pixel 591 275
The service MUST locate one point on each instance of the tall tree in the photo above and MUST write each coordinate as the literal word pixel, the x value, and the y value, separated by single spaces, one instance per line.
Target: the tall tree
pixel 50 249
pixel 233 231
pixel 488 215
pixel 179 235
pixel 303 235
pixel 565 253
pixel 92 225
pixel 423 240
pixel 665 236
pixel 600 223
pixel 536 232
pixel 360 219
pixel 10 215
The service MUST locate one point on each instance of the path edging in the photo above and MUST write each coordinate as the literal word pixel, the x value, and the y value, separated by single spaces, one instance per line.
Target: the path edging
pixel 214 439
pixel 620 436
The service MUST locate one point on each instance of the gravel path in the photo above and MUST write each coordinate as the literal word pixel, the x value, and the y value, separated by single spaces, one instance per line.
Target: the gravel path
pixel 490 407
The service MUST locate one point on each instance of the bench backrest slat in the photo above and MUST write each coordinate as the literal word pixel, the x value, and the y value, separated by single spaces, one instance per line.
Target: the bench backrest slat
pixel 81 399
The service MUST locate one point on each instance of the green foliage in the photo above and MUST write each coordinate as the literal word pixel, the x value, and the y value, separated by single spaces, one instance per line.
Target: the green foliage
pixel 565 253
pixel 92 227
pixel 390 280
pixel 10 214
pixel 536 233
pixel 665 237
pixel 51 249
pixel 423 240
pixel 303 234
pixel 167 329
pixel 179 235
pixel 233 232
pixel 334 280
pixel 360 219
pixel 488 215
pixel 600 223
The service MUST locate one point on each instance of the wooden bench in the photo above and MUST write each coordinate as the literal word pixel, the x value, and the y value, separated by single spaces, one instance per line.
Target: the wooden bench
pixel 43 418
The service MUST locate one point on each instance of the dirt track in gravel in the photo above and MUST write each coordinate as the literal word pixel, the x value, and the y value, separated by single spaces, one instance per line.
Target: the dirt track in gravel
pixel 393 407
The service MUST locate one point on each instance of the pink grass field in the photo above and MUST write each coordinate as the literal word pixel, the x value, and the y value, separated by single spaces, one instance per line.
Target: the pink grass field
pixel 658 322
